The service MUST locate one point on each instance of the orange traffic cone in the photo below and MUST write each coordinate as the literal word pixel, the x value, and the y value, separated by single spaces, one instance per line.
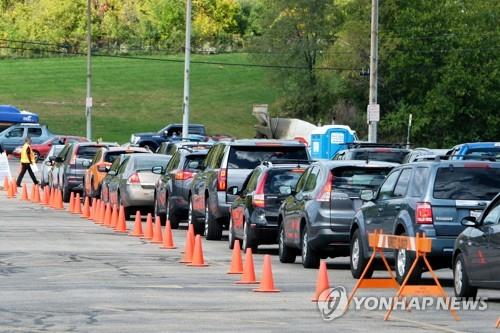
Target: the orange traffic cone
pixel 137 225
pixel 168 239
pixel 59 203
pixel 114 217
pixel 198 260
pixel 188 246
pixel 148 233
pixel 236 262
pixel 86 208
pixel 71 207
pixel 32 196
pixel 36 194
pixel 157 237
pixel 121 225
pixel 92 209
pixel 248 276
pixel 322 283
pixel 107 215
pixel 100 212
pixel 78 204
pixel 24 195
pixel 10 191
pixel 46 196
pixel 267 281
pixel 6 184
pixel 51 197
pixel 14 188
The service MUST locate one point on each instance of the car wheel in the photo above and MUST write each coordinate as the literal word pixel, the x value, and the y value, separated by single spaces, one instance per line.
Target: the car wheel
pixel 66 193
pixel 230 237
pixel 174 219
pixel 162 216
pixel 461 283
pixel 404 260
pixel 310 259
pixel 286 254
pixel 358 259
pixel 213 230
pixel 248 242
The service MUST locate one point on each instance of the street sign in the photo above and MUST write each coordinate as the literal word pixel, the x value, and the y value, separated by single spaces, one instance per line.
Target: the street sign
pixel 88 102
pixel 373 112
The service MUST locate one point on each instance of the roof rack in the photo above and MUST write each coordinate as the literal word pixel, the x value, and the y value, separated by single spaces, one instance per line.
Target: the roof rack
pixel 439 158
pixel 273 161
pixel 375 145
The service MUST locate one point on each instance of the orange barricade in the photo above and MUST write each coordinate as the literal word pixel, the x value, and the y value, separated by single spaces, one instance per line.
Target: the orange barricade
pixel 421 245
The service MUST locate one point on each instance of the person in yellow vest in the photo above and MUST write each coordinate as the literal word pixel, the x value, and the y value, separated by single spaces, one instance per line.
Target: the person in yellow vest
pixel 27 158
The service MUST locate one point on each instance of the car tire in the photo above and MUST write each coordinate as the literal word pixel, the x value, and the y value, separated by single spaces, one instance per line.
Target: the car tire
pixel 461 283
pixel 171 215
pixel 286 254
pixel 231 238
pixel 403 261
pixel 198 227
pixel 162 216
pixel 357 258
pixel 213 230
pixel 310 259
pixel 248 242
pixel 66 193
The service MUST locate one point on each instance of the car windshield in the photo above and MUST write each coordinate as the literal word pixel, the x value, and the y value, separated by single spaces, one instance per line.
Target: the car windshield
pixel 383 156
pixel 250 157
pixel 492 154
pixel 468 183
pixel 277 178
pixel 87 152
pixel 352 180
pixel 151 161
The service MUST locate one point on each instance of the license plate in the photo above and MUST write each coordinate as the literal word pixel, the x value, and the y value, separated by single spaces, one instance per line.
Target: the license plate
pixel 476 213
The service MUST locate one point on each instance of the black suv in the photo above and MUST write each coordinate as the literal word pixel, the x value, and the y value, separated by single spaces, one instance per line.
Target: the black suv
pixel 254 213
pixel 373 152
pixel 430 197
pixel 315 220
pixel 172 132
pixel 226 165
pixel 172 189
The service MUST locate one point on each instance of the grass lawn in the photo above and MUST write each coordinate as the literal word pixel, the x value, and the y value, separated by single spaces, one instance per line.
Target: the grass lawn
pixel 135 95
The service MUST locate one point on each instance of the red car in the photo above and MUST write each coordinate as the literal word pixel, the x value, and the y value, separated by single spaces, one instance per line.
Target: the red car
pixel 41 150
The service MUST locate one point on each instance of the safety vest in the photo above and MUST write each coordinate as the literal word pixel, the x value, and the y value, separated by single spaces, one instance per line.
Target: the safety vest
pixel 24 154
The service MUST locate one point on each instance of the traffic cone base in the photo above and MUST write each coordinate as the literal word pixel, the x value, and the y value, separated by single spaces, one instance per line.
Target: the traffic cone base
pixel 137 232
pixel 198 260
pixel 267 282
pixel 236 262
pixel 322 283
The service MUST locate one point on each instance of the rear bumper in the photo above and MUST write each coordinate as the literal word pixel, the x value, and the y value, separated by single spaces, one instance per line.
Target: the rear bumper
pixel 75 183
pixel 324 240
pixel 180 205
pixel 264 228
pixel 137 196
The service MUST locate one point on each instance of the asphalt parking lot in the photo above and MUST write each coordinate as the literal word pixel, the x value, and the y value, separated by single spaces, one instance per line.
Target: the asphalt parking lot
pixel 61 273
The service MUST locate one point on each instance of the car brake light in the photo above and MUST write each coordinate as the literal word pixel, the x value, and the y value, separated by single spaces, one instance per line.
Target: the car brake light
pixel 222 180
pixel 259 199
pixel 184 175
pixel 73 159
pixel 324 194
pixel 477 165
pixel 423 213
pixel 134 179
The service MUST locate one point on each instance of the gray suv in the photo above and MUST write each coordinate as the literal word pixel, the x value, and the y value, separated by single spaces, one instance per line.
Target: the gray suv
pixel 14 136
pixel 430 197
pixel 227 165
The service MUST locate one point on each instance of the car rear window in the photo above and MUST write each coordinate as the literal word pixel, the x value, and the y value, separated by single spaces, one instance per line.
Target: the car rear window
pixel 281 177
pixel 250 157
pixel 492 154
pixel 193 162
pixel 352 180
pixel 382 156
pixel 469 183
pixel 112 156
pixel 148 163
pixel 87 152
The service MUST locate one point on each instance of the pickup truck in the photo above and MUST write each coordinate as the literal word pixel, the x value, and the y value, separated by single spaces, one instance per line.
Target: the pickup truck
pixel 14 136
pixel 172 132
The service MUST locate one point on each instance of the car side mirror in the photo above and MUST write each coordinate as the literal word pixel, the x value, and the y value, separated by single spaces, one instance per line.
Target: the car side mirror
pixel 157 170
pixel 102 168
pixel 367 195
pixel 233 190
pixel 469 221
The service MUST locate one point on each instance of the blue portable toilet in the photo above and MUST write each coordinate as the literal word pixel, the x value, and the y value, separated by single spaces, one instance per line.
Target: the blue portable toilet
pixel 327 140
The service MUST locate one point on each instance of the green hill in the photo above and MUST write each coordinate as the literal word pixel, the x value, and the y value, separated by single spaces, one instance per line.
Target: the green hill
pixel 135 95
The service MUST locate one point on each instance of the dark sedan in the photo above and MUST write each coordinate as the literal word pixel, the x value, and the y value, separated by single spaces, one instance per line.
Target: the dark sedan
pixel 476 258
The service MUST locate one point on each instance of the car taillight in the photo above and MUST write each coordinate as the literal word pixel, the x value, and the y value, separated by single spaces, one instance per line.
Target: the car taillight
pixel 259 199
pixel 184 175
pixel 423 213
pixel 324 194
pixel 222 180
pixel 73 159
pixel 134 179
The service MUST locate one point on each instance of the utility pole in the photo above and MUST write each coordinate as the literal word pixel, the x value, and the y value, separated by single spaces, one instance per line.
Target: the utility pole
pixel 88 100
pixel 185 104
pixel 373 113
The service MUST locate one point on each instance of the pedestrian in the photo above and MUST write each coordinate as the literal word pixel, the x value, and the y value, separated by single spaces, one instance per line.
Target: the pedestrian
pixel 27 158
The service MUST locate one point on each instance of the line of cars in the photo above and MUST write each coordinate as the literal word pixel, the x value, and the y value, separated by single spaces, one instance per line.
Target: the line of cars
pixel 270 192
